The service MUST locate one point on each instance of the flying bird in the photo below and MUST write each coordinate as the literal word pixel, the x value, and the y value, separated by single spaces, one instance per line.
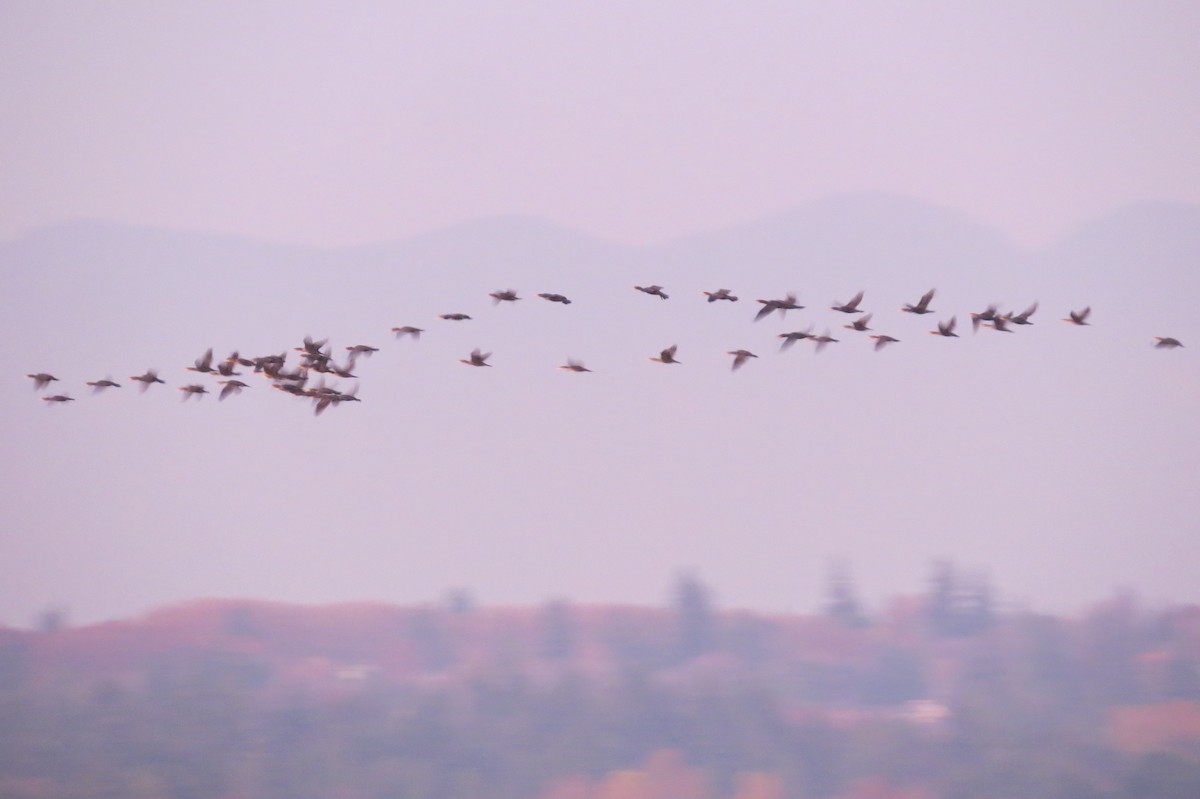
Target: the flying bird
pixel 922 305
pixel 454 317
pixel 860 323
pixel 883 341
pixel 147 379
pixel 408 330
pixel 788 303
pixel 231 387
pixel 362 349
pixel 667 355
pixel 193 389
pixel 573 365
pixel 986 315
pixel 1023 317
pixel 58 398
pixel 203 363
pixel 507 295
pixel 100 385
pixel 946 328
pixel 849 307
pixel 41 380
pixel 719 294
pixel 788 339
pixel 1078 317
pixel 1167 343
pixel 555 298
pixel 657 291
pixel 822 340
pixel 477 358
pixel 739 358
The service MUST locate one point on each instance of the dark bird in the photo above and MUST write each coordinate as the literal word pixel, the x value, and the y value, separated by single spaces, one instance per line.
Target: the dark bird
pixel 667 355
pixel 454 317
pixel 507 295
pixel 860 323
pixel 147 379
pixel 883 341
pixel 719 294
pixel 477 358
pixel 849 307
pixel 100 385
pixel 788 339
pixel 230 387
pixel 1167 343
pixel 333 397
pixel 362 349
pixel 226 367
pixel 946 328
pixel 408 330
pixel 1023 317
pixel 822 340
pixel 657 291
pixel 41 380
pixel 999 322
pixel 788 303
pixel 739 358
pixel 574 366
pixel 58 398
pixel 554 298
pixel 203 363
pixel 922 305
pixel 987 315
pixel 1078 317
pixel 194 389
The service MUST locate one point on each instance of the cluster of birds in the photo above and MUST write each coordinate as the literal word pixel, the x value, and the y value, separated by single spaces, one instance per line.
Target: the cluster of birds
pixel 316 357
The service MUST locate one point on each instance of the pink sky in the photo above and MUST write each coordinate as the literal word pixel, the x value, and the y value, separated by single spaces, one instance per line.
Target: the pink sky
pixel 339 123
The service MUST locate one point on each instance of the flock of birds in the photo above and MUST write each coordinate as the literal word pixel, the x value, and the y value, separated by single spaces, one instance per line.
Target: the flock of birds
pixel 316 357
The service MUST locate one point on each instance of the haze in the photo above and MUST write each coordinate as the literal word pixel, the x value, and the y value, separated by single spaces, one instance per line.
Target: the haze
pixel 344 170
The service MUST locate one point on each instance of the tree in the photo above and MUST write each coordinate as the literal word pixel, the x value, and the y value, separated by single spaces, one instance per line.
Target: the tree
pixel 694 617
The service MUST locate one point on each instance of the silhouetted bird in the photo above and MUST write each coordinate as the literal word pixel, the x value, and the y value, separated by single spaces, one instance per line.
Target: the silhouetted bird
pixel 574 366
pixel 1078 317
pixel 203 363
pixel 41 380
pixel 999 322
pixel 739 358
pixel 986 315
pixel 822 340
pixel 194 389
pixel 408 330
pixel 507 295
pixel 849 307
pixel 1167 343
pixel 555 298
pixel 860 323
pixel 230 387
pixel 58 398
pixel 362 349
pixel 719 294
pixel 922 305
pixel 667 355
pixel 788 339
pixel 454 317
pixel 147 379
pixel 946 328
pixel 883 341
pixel 788 303
pixel 657 291
pixel 100 385
pixel 1023 317
pixel 477 358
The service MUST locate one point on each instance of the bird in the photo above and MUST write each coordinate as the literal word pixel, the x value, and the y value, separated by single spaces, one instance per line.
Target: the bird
pixel 573 365
pixel 999 322
pixel 1167 343
pixel 100 385
pixel 454 317
pixel 408 330
pixel 657 291
pixel 946 328
pixel 477 358
pixel 192 389
pixel 362 349
pixel 883 341
pixel 849 307
pixel 791 338
pixel 1078 317
pixel 860 323
pixel 58 398
pixel 226 367
pixel 1023 317
pixel 555 298
pixel 41 380
pixel 922 305
pixel 788 303
pixel 822 340
pixel 203 363
pixel 986 315
pixel 667 355
pixel 719 294
pixel 739 358
pixel 230 387
pixel 148 379
pixel 507 295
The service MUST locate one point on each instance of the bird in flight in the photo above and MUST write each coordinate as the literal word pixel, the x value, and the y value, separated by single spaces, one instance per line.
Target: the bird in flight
pixel 1023 317
pixel 100 385
pixel 883 341
pixel 860 323
pixel 147 379
pixel 1167 343
pixel 946 328
pixel 986 315
pixel 849 307
pixel 788 339
pixel 507 295
pixel 203 363
pixel 739 358
pixel 719 294
pixel 231 387
pixel 193 389
pixel 788 303
pixel 1078 317
pixel 822 340
pixel 454 317
pixel 477 358
pixel 667 355
pixel 555 298
pixel 657 291
pixel 41 380
pixel 573 365
pixel 922 305
pixel 408 330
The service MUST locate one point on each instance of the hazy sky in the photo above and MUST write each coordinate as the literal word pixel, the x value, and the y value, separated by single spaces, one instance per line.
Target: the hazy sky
pixel 1062 460
pixel 339 123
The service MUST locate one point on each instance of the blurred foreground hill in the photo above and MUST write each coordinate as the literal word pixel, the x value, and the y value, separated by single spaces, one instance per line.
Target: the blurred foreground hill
pixel 940 695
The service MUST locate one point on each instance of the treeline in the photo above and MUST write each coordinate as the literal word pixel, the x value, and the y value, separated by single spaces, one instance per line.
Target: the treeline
pixel 940 696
